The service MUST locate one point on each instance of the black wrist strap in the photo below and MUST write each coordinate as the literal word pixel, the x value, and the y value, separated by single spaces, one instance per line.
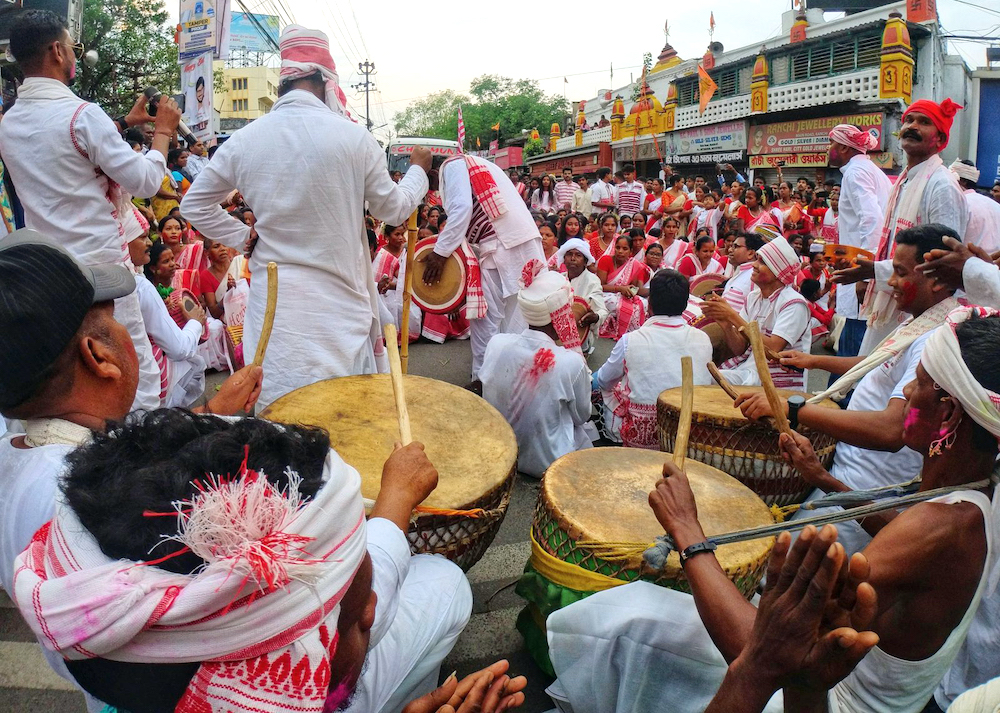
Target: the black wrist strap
pixel 697 549
pixel 122 124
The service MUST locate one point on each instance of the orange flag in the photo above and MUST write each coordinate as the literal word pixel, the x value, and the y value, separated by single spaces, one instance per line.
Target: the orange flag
pixel 706 88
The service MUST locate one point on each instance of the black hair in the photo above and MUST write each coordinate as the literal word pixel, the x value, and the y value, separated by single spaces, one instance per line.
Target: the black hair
pixel 605 216
pixel 657 180
pixel 31 32
pixel 442 219
pixel 699 176
pixel 200 82
pixel 702 240
pixel 372 240
pixel 654 246
pixel 163 222
pixel 754 242
pixel 628 168
pixel 668 293
pixel 388 229
pixel 133 134
pixel 173 155
pixel 155 251
pixel 636 233
pixel 674 179
pixel 978 340
pixel 561 232
pixel 655 233
pixel 288 84
pixel 670 219
pixel 925 238
pixel 567 168
pixel 154 459
pixel 603 171
pixel 810 289
pixel 212 150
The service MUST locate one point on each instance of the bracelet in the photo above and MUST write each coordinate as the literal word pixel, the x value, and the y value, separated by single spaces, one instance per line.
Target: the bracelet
pixel 697 549
pixel 168 134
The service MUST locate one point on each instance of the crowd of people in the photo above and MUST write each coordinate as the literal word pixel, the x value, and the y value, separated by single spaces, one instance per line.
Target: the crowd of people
pixel 139 265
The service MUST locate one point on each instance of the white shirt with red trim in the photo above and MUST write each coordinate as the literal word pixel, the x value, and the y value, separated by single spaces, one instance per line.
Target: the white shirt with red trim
pixel 738 287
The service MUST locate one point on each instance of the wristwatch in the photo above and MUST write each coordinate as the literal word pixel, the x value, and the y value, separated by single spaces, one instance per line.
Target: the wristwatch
pixel 122 124
pixel 794 404
pixel 697 549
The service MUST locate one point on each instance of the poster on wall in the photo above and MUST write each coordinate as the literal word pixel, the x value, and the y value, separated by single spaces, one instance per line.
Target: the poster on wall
pixel 245 32
pixel 988 144
pixel 199 29
pixel 196 84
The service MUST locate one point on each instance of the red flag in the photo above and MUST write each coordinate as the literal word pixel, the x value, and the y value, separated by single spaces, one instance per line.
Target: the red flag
pixel 461 129
pixel 706 88
pixel 711 22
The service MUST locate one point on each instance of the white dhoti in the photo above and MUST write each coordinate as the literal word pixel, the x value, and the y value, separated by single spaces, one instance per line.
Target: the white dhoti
pixel 147 393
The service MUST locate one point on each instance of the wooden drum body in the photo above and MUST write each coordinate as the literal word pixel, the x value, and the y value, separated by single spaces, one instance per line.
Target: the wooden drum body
pixel 723 438
pixel 467 440
pixel 593 512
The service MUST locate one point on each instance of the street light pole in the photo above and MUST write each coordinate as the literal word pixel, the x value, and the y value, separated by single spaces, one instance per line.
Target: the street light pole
pixel 367 69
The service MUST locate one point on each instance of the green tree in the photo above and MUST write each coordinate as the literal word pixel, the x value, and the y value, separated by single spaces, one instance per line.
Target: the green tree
pixel 515 104
pixel 135 48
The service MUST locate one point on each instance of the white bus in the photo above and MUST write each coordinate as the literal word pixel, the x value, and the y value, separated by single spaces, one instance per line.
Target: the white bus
pixel 399 149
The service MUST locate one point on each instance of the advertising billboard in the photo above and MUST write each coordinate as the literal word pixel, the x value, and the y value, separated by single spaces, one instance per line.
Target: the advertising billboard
pixel 245 36
pixel 988 146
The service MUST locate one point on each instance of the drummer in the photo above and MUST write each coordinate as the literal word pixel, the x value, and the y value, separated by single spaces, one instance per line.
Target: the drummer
pixel 930 566
pixel 538 379
pixel 647 361
pixel 77 372
pixel 576 257
pixel 780 311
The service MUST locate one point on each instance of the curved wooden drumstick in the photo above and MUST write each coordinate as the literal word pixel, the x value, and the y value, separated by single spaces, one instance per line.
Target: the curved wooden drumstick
pixel 722 381
pixel 411 247
pixel 687 406
pixel 272 304
pixel 760 359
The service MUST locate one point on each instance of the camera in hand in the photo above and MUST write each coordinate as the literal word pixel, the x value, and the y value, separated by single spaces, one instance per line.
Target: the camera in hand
pixel 153 95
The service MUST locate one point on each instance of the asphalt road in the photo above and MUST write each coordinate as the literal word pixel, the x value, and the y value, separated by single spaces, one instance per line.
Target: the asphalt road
pixel 27 684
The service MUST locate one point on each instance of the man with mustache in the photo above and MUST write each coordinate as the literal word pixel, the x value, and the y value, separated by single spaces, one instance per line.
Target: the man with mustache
pixel 925 192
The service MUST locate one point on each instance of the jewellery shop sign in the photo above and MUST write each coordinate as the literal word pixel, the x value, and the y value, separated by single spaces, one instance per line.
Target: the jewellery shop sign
pixel 805 142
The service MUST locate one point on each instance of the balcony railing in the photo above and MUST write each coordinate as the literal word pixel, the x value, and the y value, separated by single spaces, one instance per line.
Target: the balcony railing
pixel 590 138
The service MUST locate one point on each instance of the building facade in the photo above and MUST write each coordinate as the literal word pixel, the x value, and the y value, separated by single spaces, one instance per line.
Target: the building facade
pixel 775 102
pixel 249 94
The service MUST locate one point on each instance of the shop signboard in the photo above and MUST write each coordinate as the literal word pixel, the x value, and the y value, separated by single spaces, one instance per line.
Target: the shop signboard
pixel 809 136
pixel 198 28
pixel 727 137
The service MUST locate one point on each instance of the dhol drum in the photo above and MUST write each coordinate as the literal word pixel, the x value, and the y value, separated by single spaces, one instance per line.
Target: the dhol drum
pixel 835 252
pixel 467 440
pixel 701 285
pixel 593 522
pixel 180 301
pixel 580 308
pixel 723 438
pixel 448 293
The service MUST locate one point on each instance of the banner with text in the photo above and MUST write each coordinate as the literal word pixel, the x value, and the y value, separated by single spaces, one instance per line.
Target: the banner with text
pixel 809 136
pixel 196 84
pixel 727 137
pixel 199 29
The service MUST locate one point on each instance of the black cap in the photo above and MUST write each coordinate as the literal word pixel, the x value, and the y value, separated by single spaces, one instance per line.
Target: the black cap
pixel 44 296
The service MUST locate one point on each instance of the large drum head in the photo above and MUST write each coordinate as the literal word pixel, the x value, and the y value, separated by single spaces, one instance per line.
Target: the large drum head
pixel 448 293
pixel 601 495
pixel 846 253
pixel 713 402
pixel 701 285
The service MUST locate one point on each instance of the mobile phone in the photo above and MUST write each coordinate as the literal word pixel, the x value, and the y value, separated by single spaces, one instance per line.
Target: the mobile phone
pixel 780 163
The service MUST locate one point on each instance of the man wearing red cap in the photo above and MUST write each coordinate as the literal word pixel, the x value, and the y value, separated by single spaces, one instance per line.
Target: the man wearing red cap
pixel 925 192
pixel 308 171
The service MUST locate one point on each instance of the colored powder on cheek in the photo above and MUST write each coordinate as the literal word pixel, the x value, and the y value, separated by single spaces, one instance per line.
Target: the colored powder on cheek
pixel 336 697
pixel 912 416
pixel 909 292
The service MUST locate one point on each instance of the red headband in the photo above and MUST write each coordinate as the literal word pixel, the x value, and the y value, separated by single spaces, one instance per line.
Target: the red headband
pixel 941 114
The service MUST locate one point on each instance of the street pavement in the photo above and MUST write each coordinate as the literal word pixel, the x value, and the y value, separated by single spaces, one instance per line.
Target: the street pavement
pixel 27 684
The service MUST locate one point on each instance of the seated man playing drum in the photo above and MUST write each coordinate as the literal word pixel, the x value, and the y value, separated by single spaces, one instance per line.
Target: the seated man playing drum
pixel 76 372
pixel 646 362
pixel 780 311
pixel 931 565
pixel 538 379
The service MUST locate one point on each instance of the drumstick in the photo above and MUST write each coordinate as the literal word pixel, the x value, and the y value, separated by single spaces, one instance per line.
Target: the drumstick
pixel 722 381
pixel 272 305
pixel 777 410
pixel 741 326
pixel 687 406
pixel 396 372
pixel 411 247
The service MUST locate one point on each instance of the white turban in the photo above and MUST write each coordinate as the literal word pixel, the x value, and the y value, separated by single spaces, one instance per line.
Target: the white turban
pixel 547 298
pixel 942 359
pixel 964 170
pixel 782 259
pixel 575 244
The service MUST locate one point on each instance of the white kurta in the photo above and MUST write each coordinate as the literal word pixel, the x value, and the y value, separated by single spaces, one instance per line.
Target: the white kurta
pixel 587 286
pixel 738 286
pixel 982 283
pixel 984 222
pixel 548 406
pixel 308 173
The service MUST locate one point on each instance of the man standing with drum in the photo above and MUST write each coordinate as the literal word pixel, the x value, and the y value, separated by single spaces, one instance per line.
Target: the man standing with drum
pixel 498 236
pixel 310 222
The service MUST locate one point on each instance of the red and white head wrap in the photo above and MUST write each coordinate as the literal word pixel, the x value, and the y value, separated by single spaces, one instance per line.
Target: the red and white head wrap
pixel 261 615
pixel 853 137
pixel 305 52
pixel 547 299
pixel 781 259
pixel 942 359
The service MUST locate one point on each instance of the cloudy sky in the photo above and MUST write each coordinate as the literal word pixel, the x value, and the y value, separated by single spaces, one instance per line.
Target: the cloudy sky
pixel 422 47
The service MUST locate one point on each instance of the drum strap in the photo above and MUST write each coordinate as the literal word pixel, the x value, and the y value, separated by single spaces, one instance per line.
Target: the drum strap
pixel 569 575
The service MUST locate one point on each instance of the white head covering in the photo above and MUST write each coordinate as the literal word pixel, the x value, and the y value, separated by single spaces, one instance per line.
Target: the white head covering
pixel 575 244
pixel 942 359
pixel 546 297
pixel 782 259
pixel 305 52
pixel 964 170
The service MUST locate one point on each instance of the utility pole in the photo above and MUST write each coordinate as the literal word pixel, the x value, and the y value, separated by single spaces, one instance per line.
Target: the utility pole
pixel 368 70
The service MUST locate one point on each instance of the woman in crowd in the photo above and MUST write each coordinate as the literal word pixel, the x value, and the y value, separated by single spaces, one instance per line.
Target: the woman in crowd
pixel 575 257
pixel 639 221
pixel 828 231
pixel 216 279
pixel 177 165
pixel 532 186
pixel 389 269
pixel 433 216
pixel 621 277
pixel 754 212
pixel 168 197
pixel 571 227
pixel 673 247
pixel 702 260
pixel 549 245
pixel 433 193
pixel 161 267
pixel 602 243
pixel 652 206
pixel 637 236
pixel 625 223
pixel 544 197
